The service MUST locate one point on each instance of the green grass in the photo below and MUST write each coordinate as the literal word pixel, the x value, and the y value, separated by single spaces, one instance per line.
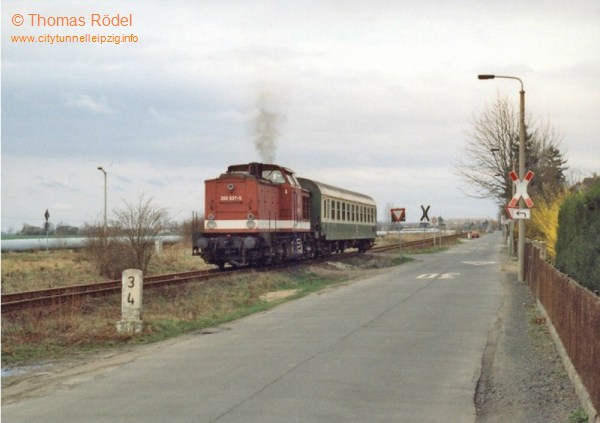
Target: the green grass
pixel 401 260
pixel 579 416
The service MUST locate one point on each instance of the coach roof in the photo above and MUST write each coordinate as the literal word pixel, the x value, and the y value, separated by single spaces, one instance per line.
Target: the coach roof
pixel 334 192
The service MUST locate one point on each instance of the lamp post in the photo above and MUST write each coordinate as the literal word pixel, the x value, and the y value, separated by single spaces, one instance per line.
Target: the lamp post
pixel 521 242
pixel 508 234
pixel 104 171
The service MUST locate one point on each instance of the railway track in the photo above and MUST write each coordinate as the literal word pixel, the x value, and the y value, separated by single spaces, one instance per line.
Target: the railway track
pixel 56 296
pixel 45 297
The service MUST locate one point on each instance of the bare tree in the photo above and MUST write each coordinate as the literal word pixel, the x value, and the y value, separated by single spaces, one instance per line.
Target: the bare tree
pixel 129 239
pixel 548 163
pixel 140 224
pixel 492 151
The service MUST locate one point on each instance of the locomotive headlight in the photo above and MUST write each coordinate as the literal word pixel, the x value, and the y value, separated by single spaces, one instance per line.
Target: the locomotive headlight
pixel 201 243
pixel 251 224
pixel 211 224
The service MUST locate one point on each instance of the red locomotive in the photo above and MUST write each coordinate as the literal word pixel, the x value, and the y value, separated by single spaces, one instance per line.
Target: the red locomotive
pixel 261 213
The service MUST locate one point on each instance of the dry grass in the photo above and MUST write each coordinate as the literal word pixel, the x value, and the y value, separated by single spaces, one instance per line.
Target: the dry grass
pixel 402 237
pixel 29 271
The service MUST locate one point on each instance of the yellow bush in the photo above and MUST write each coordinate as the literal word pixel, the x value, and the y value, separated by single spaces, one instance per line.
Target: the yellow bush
pixel 543 225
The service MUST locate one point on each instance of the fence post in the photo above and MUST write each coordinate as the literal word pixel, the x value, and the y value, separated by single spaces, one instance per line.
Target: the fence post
pixel 131 301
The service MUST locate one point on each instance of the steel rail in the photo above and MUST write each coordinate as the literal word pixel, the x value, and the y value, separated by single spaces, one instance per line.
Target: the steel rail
pixel 19 300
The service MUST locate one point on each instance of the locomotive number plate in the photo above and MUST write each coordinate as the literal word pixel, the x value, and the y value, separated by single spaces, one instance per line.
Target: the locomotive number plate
pixel 229 198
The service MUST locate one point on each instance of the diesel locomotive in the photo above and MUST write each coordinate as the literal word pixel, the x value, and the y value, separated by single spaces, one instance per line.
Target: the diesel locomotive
pixel 258 213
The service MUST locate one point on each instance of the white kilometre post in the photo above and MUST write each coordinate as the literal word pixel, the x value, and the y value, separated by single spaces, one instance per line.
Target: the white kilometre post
pixel 131 302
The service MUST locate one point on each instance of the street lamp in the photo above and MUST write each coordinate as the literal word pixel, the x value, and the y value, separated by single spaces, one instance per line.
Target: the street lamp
pixel 521 243
pixel 508 235
pixel 104 171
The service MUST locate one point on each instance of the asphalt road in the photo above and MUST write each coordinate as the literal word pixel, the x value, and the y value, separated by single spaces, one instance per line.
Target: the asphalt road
pixel 405 345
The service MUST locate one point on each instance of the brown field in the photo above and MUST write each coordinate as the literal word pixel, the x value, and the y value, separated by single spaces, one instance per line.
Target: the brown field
pixel 29 271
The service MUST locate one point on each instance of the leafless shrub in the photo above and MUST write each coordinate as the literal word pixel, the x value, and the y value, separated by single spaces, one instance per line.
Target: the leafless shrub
pixel 140 224
pixel 129 240
pixel 109 253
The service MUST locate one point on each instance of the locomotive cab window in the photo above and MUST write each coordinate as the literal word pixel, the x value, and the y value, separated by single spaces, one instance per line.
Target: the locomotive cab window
pixel 275 176
pixel 293 180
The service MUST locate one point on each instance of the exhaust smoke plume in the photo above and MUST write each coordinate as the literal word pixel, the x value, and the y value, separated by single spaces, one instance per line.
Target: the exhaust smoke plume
pixel 266 122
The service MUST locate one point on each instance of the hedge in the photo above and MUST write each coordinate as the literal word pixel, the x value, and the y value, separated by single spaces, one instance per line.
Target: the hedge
pixel 578 241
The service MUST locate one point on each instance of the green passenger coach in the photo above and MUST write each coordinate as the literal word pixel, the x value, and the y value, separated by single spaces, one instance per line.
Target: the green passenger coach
pixel 341 217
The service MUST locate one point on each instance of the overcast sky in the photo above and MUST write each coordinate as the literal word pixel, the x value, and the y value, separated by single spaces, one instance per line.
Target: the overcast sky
pixel 373 96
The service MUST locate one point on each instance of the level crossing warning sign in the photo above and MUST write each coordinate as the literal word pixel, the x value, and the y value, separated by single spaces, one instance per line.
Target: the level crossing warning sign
pixel 521 189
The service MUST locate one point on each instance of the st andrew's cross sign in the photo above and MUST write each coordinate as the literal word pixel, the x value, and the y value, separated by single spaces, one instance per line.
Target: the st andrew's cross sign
pixel 521 189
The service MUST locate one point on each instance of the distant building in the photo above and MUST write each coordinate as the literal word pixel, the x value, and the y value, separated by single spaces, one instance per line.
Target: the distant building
pixel 32 230
pixel 65 230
